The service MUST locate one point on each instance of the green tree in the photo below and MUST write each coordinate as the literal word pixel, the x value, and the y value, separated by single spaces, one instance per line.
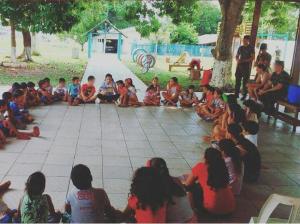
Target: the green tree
pixel 36 16
pixel 276 17
pixel 184 33
pixel 206 17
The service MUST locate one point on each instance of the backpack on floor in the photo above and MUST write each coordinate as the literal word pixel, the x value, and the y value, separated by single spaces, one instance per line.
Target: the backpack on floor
pixel 294 94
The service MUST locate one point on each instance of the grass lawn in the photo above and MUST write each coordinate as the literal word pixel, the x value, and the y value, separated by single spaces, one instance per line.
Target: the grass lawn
pixel 55 62
pixel 36 71
pixel 161 71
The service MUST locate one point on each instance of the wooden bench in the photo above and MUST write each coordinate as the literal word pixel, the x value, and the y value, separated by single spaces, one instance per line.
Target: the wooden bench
pixel 292 120
pixel 178 65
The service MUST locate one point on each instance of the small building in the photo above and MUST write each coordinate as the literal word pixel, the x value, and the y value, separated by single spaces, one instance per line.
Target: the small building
pixel 105 37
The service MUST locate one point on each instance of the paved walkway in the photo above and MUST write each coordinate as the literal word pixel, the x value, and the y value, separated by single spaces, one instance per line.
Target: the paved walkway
pixel 101 64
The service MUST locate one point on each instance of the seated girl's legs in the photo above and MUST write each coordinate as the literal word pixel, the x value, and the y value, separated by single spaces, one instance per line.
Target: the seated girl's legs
pixel 186 103
pixel 5 186
pixel 123 100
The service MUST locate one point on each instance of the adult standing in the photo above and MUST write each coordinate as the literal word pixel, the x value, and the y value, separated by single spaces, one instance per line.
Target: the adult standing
pixel 276 88
pixel 244 57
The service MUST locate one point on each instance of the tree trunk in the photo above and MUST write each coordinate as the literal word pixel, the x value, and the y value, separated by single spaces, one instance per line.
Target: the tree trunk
pixel 13 53
pixel 231 14
pixel 27 45
pixel 33 43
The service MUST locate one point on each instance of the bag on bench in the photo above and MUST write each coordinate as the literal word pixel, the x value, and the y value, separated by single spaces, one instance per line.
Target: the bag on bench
pixel 294 94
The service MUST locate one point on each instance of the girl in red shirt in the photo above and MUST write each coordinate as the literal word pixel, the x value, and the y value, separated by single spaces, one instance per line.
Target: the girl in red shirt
pixel 148 197
pixel 213 178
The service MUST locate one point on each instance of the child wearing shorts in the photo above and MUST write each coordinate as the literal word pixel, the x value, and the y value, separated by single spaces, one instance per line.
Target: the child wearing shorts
pixel 33 98
pixel 188 97
pixel 88 90
pixel 73 92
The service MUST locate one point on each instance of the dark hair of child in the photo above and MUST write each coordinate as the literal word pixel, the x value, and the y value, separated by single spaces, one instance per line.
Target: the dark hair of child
pixel 151 87
pixel 91 77
pixel 231 99
pixel 129 80
pixel 235 130
pixel 81 177
pixel 75 78
pixel 227 146
pixel 23 85
pixel 205 86
pixel 175 79
pixel 173 188
pixel 262 67
pixel 218 176
pixel 108 75
pixel 46 79
pixel 120 82
pixel 7 96
pixel 219 91
pixel 30 85
pixel 254 107
pixel 15 86
pixel 17 93
pixel 210 88
pixel 41 83
pixel 35 184
pixel 148 186
pixel 251 127
pixel 237 112
pixel 61 80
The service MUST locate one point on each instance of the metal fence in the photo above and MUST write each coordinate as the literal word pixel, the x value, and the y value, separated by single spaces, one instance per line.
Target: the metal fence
pixel 175 49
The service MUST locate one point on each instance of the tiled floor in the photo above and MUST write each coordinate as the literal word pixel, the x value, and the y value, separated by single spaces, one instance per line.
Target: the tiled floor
pixel 113 142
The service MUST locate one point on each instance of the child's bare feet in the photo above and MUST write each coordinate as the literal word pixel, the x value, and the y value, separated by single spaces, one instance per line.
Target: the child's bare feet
pixel 36 131
pixel 23 136
pixel 5 186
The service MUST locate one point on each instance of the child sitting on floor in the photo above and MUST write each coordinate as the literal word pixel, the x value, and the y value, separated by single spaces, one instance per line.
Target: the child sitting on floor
pixel 172 94
pixel 207 97
pixel 123 92
pixel 188 97
pixel 108 92
pixel 61 91
pixel 35 206
pixel 148 197
pixel 33 98
pixel 179 209
pixel 215 109
pixel 48 87
pixel 132 97
pixel 233 163
pixel 87 204
pixel 88 90
pixel 73 92
pixel 45 96
pixel 155 83
pixel 20 119
pixel 151 97
pixel 251 129
pixel 253 110
pixel 9 130
pixel 212 178
pixel 14 87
